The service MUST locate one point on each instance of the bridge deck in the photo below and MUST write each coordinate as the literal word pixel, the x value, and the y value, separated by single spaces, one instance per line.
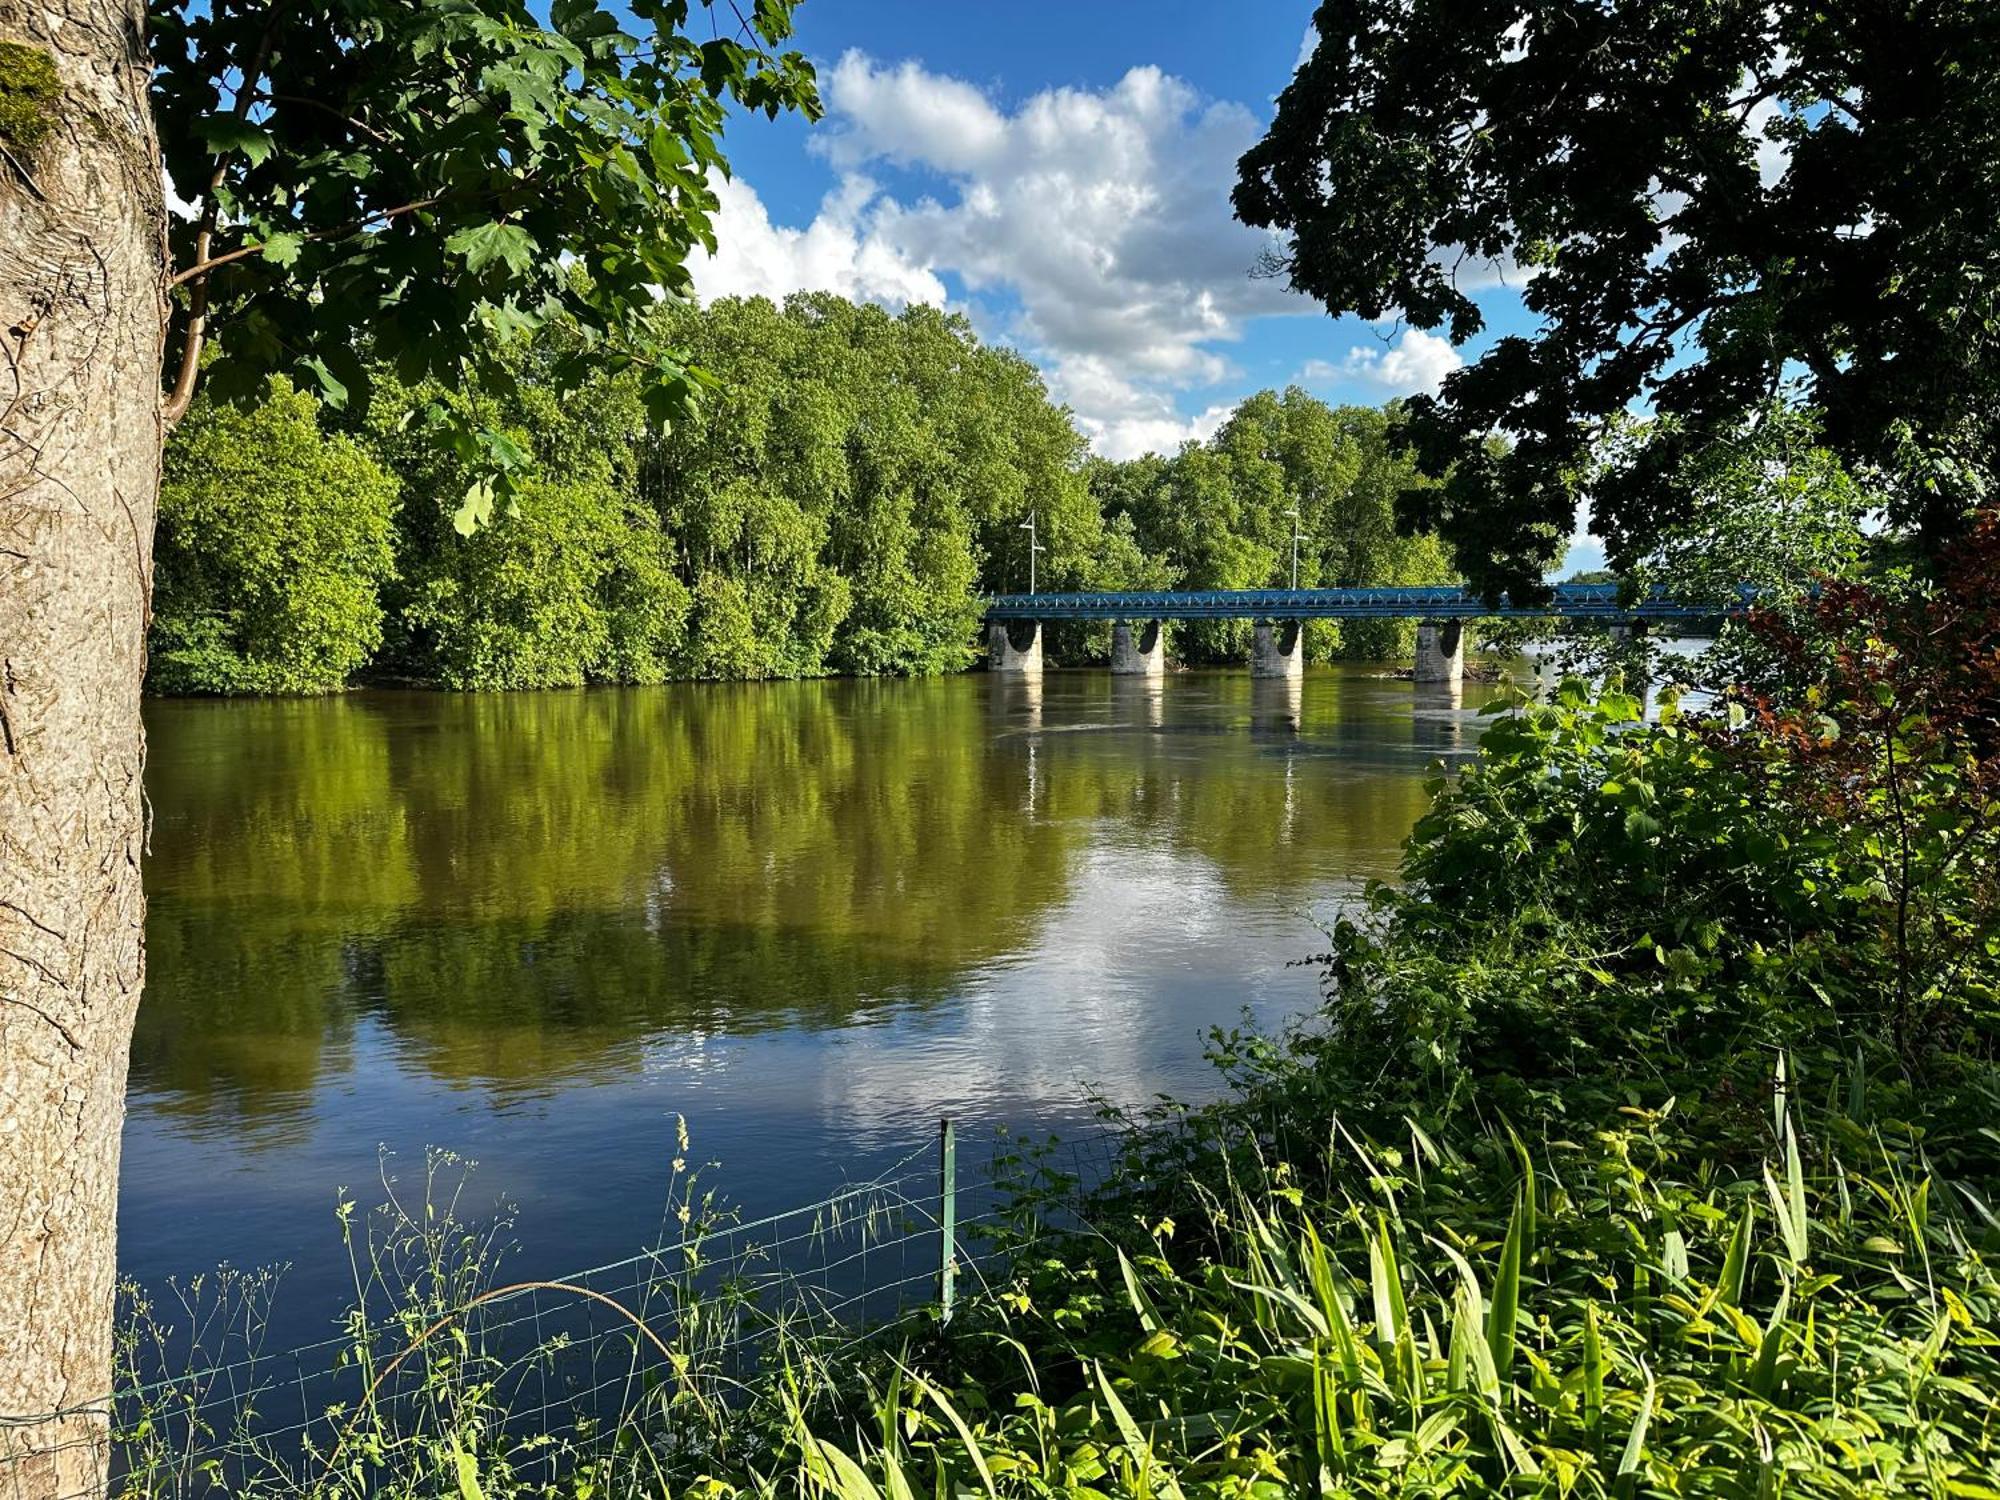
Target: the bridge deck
pixel 1571 601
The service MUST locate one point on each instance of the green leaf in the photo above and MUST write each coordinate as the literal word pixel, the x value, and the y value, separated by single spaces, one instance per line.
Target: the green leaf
pixel 1149 1316
pixel 229 133
pixel 282 248
pixel 1504 1312
pixel 483 244
pixel 468 1472
pixel 476 509
pixel 1641 826
pixel 332 388
pixel 1635 1441
pixel 1593 1366
pixel 1736 1261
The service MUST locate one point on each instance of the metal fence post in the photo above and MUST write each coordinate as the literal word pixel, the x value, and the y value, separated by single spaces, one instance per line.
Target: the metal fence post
pixel 948 1215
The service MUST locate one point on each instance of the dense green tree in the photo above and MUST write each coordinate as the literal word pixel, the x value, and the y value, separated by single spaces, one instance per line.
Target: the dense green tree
pixel 1220 514
pixel 868 474
pixel 572 586
pixel 273 543
pixel 1768 507
pixel 1711 203
pixel 857 482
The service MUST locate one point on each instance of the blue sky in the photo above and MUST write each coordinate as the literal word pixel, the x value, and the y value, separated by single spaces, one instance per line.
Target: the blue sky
pixel 1060 172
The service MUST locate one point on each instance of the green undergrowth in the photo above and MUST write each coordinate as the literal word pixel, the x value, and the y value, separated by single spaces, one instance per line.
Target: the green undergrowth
pixel 1601 1312
pixel 1644 1146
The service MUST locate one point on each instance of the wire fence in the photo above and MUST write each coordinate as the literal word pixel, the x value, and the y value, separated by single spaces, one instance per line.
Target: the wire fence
pixel 630 1363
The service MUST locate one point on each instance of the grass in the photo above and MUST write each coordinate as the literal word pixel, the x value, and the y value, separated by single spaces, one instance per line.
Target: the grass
pixel 1590 1316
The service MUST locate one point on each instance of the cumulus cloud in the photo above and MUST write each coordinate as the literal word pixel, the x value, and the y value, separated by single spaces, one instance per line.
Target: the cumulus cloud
pixel 1415 361
pixel 1090 226
pixel 838 252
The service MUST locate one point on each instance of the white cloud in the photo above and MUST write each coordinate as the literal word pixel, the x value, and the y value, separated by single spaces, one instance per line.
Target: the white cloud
pixel 1092 227
pixel 838 252
pixel 1124 419
pixel 1416 361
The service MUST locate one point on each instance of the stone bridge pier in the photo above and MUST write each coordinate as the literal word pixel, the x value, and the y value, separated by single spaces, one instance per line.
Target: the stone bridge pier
pixel 1278 649
pixel 1139 651
pixel 1440 651
pixel 1014 647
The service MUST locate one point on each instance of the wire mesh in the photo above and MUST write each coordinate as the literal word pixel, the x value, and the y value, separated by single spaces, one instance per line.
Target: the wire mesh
pixel 553 1371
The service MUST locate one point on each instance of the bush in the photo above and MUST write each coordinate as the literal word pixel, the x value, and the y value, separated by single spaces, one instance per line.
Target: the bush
pixel 274 540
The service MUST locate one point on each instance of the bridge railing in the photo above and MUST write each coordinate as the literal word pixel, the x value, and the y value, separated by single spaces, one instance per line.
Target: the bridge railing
pixel 1568 601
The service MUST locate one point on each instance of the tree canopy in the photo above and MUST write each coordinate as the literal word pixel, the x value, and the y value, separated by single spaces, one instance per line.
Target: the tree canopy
pixel 857 482
pixel 1221 514
pixel 1707 206
pixel 274 541
pixel 430 174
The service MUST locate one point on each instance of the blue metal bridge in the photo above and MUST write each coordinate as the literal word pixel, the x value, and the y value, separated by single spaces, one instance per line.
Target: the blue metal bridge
pixel 1570 601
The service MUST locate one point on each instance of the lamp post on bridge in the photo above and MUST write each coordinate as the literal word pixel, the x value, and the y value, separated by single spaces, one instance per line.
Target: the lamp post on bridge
pixel 1294 514
pixel 1033 547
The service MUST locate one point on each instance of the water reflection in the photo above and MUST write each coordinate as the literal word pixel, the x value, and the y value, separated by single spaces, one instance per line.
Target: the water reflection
pixel 807 913
pixel 1276 704
pixel 1438 718
pixel 1140 702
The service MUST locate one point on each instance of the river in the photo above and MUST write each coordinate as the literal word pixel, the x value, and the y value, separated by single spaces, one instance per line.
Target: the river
pixel 809 917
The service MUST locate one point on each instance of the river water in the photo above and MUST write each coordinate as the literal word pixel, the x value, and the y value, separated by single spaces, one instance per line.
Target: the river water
pixel 809 917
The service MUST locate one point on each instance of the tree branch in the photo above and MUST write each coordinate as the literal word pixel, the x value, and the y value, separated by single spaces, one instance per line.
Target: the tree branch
pixel 200 269
pixel 182 394
pixel 324 108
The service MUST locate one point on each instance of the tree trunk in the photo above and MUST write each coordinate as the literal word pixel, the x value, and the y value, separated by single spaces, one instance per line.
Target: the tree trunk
pixel 82 259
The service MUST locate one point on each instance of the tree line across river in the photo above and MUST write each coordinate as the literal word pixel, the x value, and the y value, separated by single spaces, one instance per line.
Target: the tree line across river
pixel 837 504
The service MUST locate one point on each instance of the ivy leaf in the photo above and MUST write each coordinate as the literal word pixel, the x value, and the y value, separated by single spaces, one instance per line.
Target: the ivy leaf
pixel 483 244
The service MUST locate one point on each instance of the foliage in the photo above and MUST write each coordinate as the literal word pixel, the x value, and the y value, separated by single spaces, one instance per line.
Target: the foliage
pixel 1668 906
pixel 1599 1311
pixel 1706 203
pixel 860 480
pixel 274 541
pixel 1594 1315
pixel 1893 739
pixel 1220 514
pixel 469 166
pixel 1768 508
pixel 573 587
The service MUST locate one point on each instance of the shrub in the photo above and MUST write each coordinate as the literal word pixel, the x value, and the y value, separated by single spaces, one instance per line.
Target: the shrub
pixel 274 540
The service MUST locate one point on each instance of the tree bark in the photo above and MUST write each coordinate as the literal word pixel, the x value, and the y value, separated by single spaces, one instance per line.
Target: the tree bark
pixel 82 306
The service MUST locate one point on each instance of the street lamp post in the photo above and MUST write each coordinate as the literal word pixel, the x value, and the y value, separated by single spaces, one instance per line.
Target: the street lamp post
pixel 1294 514
pixel 1033 547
